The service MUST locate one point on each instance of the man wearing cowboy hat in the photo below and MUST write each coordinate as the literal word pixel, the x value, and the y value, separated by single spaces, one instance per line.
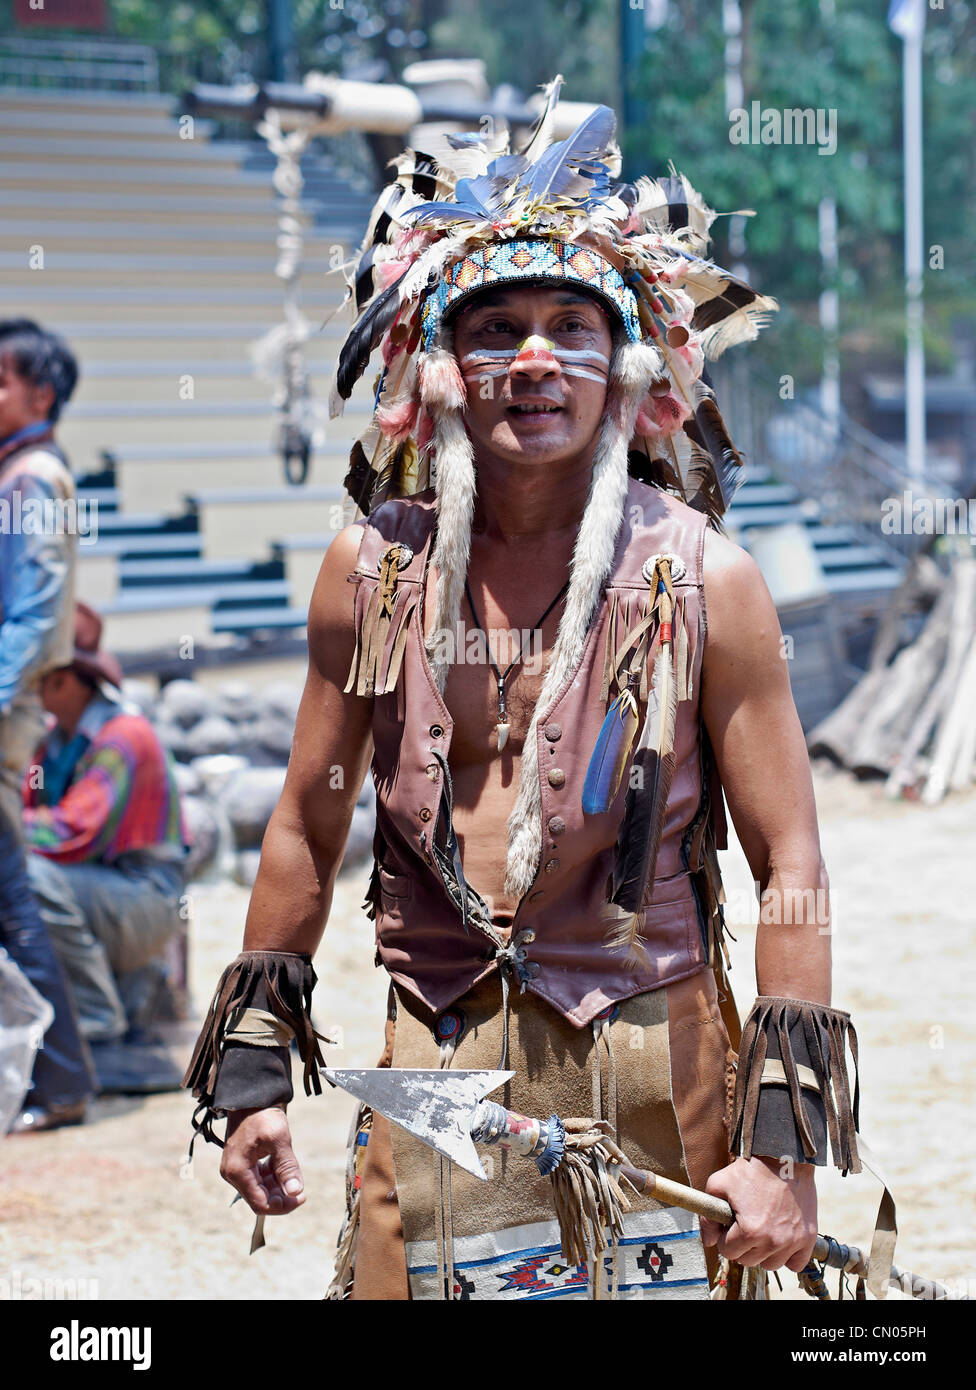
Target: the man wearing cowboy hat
pixel 38 373
pixel 102 819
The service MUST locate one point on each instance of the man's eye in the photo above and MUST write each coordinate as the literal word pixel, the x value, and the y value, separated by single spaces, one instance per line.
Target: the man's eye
pixel 497 326
pixel 574 326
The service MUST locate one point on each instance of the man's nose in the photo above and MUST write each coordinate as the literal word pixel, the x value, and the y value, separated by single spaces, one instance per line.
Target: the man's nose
pixel 534 359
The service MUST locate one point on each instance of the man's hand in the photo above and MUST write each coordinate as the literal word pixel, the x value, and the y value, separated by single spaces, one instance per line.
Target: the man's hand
pixel 775 1217
pixel 258 1160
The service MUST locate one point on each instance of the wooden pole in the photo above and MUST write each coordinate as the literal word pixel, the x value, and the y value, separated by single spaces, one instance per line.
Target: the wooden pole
pixel 827 1251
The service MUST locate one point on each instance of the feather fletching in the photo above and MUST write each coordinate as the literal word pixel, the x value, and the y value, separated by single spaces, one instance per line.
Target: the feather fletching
pixel 364 336
pixel 647 797
pixel 716 467
pixel 610 753
pixel 557 170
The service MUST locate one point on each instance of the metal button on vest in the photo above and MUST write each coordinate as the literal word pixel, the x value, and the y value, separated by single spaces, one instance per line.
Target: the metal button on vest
pixel 557 777
pixel 432 770
pixel 553 732
pixel 552 865
pixel 556 825
pixel 426 813
pixel 436 731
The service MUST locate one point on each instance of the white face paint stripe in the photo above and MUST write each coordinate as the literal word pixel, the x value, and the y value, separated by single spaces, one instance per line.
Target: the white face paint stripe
pixel 478 373
pixel 577 355
pixel 580 371
pixel 561 355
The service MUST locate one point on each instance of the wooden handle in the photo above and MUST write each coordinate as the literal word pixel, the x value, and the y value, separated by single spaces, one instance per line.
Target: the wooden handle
pixel 701 1203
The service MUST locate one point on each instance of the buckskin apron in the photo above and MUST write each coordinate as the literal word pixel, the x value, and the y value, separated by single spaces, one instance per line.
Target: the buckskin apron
pixel 658 1067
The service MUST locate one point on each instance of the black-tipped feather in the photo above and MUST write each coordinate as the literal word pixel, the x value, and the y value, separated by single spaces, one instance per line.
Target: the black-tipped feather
pixel 716 469
pixel 647 798
pixel 360 479
pixel 364 336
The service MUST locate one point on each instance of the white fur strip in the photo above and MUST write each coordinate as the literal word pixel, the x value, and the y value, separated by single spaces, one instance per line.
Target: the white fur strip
pixel 635 366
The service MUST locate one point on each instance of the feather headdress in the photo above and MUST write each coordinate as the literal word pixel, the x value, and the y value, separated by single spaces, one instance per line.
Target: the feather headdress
pixel 483 213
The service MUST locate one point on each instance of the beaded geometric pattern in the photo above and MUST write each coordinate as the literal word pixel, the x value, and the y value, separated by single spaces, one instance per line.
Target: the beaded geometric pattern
pixel 504 262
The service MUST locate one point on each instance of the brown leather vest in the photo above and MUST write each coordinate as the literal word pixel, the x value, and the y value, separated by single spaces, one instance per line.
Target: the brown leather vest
pixel 558 939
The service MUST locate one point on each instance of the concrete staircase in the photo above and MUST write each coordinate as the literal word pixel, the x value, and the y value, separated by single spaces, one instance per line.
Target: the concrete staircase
pixel 153 255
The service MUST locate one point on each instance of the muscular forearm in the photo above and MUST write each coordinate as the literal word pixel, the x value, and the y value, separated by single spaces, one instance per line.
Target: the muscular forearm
pixel 793 937
pixel 292 894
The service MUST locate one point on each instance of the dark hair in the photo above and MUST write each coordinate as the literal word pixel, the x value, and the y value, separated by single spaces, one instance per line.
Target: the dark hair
pixel 41 358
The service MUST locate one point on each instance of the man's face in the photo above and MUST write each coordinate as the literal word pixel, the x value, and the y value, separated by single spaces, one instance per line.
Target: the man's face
pixel 21 404
pixel 63 694
pixel 539 402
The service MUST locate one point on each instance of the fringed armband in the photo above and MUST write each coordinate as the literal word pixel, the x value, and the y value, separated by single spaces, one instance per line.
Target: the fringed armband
pixel 792 1088
pixel 241 1059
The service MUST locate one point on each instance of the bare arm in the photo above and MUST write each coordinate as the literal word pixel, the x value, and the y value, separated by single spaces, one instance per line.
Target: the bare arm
pixel 330 753
pixel 748 709
pixel 302 851
pixel 752 722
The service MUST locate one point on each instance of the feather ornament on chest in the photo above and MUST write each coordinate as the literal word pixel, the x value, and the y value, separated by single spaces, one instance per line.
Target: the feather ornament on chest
pixel 652 773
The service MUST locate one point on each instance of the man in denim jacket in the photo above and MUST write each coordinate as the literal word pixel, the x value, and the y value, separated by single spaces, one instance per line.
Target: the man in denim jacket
pixel 37 560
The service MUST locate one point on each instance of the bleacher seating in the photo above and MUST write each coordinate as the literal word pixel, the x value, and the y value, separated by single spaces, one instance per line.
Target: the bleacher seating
pixel 158 267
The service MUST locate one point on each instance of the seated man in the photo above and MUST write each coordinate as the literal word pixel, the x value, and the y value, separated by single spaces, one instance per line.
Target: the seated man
pixel 102 817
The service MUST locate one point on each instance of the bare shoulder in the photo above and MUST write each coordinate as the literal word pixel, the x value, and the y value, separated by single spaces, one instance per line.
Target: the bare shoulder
pixel 724 561
pixel 333 598
pixel 734 589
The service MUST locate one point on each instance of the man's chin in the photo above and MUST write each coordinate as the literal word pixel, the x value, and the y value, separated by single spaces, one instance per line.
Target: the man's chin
pixel 536 445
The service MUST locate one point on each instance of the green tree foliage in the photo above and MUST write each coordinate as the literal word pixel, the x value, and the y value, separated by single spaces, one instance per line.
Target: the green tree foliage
pixel 798 54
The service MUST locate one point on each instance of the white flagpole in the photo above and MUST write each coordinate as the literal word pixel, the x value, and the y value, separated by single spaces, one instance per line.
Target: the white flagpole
pixel 914 248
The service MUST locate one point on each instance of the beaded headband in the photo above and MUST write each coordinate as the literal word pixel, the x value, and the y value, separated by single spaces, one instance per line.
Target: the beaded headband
pixel 523 261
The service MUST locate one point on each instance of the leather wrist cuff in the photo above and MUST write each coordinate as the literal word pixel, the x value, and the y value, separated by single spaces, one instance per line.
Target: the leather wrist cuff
pixel 241 1059
pixel 792 1089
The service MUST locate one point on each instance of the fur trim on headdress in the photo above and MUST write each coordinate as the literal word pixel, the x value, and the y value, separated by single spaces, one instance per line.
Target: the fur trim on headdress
pixel 452 466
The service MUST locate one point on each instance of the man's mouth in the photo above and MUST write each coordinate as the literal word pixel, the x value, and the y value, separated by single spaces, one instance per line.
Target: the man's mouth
pixel 534 408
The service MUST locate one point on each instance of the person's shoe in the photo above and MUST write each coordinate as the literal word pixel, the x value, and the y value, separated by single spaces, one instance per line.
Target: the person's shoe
pixel 36 1117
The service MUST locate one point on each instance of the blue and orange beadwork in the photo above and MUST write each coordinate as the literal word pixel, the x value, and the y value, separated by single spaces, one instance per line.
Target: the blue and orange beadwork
pixel 506 262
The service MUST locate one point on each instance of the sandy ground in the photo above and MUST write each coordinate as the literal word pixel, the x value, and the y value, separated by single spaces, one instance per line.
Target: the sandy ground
pixel 111 1203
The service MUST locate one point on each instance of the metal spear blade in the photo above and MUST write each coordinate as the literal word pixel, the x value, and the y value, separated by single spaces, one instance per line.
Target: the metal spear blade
pixel 437 1106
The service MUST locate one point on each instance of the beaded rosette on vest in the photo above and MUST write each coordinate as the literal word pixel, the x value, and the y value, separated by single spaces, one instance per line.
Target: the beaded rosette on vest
pixel 481 214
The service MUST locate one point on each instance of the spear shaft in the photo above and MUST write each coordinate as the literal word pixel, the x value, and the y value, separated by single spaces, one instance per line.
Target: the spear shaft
pixel 827 1251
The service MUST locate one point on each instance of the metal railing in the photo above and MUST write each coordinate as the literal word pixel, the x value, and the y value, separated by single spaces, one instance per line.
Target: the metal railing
pixel 78 64
pixel 849 472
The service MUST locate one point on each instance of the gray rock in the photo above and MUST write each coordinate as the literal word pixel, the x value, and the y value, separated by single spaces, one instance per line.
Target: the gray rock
pixel 215 770
pixel 185 703
pixel 359 845
pixel 282 698
pixel 245 869
pixel 236 701
pixel 188 780
pixel 213 734
pixel 173 736
pixel 141 693
pixel 274 734
pixel 204 831
pixel 249 800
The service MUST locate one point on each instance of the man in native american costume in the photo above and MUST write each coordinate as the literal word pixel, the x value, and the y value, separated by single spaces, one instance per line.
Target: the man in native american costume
pixel 545 457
